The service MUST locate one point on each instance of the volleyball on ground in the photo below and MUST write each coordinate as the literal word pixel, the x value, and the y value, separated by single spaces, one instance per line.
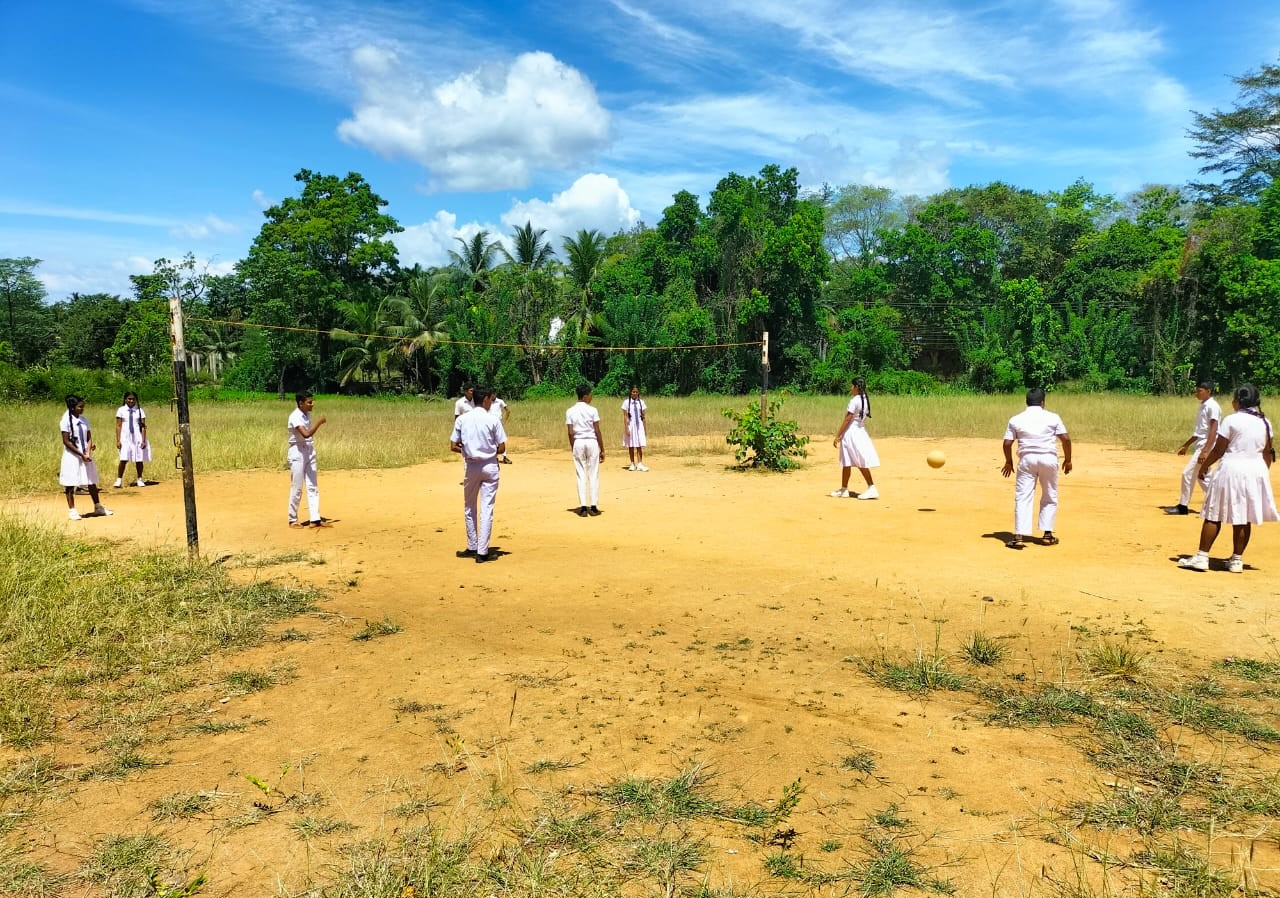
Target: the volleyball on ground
pixel 936 459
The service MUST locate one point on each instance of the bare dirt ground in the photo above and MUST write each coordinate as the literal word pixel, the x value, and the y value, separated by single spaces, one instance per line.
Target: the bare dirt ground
pixel 707 616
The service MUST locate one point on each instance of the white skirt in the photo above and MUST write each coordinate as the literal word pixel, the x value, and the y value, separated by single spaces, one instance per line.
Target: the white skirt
pixel 76 472
pixel 857 450
pixel 133 450
pixel 1239 492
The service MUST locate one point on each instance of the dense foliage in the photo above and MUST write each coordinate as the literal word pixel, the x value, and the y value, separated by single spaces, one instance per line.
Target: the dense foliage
pixel 987 287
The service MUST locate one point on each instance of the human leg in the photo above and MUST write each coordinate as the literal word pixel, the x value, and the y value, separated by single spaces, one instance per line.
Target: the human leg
pixel 470 499
pixel 1024 492
pixel 488 497
pixel 1209 533
pixel 1240 534
pixel 297 473
pixel 313 487
pixel 580 469
pixel 1047 474
pixel 593 472
pixel 1189 479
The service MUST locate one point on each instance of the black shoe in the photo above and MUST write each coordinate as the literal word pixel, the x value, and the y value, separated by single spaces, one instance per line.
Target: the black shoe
pixel 593 511
pixel 582 511
pixel 481 559
pixel 465 553
pixel 504 460
pixel 1177 509
pixel 1015 543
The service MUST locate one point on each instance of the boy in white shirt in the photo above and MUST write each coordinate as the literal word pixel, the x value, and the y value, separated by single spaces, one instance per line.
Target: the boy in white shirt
pixel 1035 430
pixel 479 438
pixel 302 460
pixel 1203 436
pixel 499 411
pixel 582 423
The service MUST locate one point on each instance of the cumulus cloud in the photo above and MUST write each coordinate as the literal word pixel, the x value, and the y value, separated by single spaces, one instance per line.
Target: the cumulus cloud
pixel 593 201
pixel 209 226
pixel 488 129
pixel 430 242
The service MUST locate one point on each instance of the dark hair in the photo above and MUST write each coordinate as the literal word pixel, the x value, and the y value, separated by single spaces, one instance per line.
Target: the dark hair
pixel 1035 396
pixel 1247 396
pixel 479 394
pixel 861 384
pixel 127 394
pixel 72 401
pixel 584 390
pixel 1205 385
pixel 303 396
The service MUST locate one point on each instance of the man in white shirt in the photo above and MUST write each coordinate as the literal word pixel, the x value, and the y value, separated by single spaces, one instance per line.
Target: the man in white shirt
pixel 499 411
pixel 479 438
pixel 1035 431
pixel 582 422
pixel 466 402
pixel 1203 437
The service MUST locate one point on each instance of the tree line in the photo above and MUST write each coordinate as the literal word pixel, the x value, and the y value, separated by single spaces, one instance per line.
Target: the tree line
pixel 988 287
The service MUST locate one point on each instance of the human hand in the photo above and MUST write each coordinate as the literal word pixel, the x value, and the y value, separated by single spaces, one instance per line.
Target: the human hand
pixel 322 420
pixel 1007 469
pixel 1066 466
pixel 118 444
pixel 1182 450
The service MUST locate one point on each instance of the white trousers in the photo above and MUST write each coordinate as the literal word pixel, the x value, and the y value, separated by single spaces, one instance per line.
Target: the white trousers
pixel 479 495
pixel 1033 469
pixel 1189 475
pixel 586 464
pixel 302 465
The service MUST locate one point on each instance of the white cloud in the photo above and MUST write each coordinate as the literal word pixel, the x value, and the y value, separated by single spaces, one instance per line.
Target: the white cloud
pixel 593 201
pixel 209 226
pixel 488 129
pixel 262 201
pixel 45 210
pixel 430 243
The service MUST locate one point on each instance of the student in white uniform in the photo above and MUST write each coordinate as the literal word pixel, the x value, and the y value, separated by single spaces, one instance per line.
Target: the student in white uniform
pixel 1204 436
pixel 1239 493
pixel 131 437
pixel 1037 433
pixel 856 448
pixel 465 403
pixel 499 411
pixel 633 429
pixel 302 461
pixel 478 436
pixel 78 468
pixel 582 422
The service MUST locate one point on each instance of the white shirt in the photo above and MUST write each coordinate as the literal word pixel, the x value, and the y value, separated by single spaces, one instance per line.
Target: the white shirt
pixel 582 417
pixel 1245 434
pixel 131 418
pixel 78 428
pixel 1209 412
pixel 497 407
pixel 462 406
pixel 1036 431
pixel 299 418
pixel 858 408
pixel 635 409
pixel 480 434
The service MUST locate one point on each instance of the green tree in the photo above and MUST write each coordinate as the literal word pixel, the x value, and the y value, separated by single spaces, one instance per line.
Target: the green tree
pixel 420 313
pixel 476 260
pixel 531 251
pixel 87 326
pixel 1242 143
pixel 29 321
pixel 586 256
pixel 856 215
pixel 319 249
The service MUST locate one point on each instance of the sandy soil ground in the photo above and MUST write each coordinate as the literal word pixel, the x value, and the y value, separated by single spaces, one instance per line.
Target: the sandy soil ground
pixel 707 616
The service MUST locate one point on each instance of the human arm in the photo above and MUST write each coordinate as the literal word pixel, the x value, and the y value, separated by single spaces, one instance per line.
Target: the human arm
pixel 569 430
pixel 844 425
pixel 119 422
pixel 70 445
pixel 142 430
pixel 1065 439
pixel 1211 439
pixel 1008 458
pixel 599 439
pixel 1219 449
pixel 308 432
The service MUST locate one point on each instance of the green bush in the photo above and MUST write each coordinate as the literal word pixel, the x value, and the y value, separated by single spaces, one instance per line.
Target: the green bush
pixel 771 444
pixel 97 386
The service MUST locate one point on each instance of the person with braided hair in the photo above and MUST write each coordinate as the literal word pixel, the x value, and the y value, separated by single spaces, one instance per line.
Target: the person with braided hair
pixel 633 429
pixel 856 448
pixel 1239 492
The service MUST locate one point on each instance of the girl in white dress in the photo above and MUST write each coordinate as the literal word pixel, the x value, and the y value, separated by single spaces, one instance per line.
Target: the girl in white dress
pixel 633 429
pixel 1239 492
pixel 78 468
pixel 131 437
pixel 856 448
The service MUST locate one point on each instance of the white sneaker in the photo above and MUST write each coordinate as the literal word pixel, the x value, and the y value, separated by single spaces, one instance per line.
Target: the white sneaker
pixel 98 509
pixel 140 482
pixel 1235 565
pixel 73 515
pixel 1196 562
pixel 869 493
pixel 118 484
pixel 839 494
pixel 631 467
pixel 641 467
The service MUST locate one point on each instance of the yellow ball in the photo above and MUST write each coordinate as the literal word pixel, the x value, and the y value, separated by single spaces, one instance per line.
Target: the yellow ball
pixel 936 459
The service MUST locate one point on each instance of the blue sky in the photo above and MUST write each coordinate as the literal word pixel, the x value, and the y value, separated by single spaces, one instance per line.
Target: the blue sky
pixel 140 129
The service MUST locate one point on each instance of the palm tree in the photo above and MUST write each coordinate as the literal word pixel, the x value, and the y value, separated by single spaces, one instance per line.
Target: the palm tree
pixel 585 253
pixel 532 252
pixel 476 260
pixel 421 313
pixel 369 321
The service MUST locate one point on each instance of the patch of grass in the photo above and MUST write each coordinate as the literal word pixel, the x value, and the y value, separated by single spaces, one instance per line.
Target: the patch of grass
pixel 685 796
pixel 983 650
pixel 924 673
pixel 415 807
pixel 243 682
pixel 121 761
pixel 376 629
pixel 217 727
pixel 407 706
pixel 31 776
pixel 21 877
pixel 1194 711
pixel 862 762
pixel 1250 669
pixel 666 861
pixel 181 805
pixel 547 765
pixel 26 713
pixel 1051 706
pixel 1144 810
pixel 890 865
pixel 888 818
pixel 123 865
pixel 1180 873
pixel 314 827
pixel 1117 660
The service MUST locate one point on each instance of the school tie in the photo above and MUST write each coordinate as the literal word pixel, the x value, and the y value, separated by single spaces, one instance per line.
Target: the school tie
pixel 133 428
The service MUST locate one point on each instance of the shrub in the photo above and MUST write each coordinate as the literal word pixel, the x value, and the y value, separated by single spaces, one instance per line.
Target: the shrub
pixel 771 444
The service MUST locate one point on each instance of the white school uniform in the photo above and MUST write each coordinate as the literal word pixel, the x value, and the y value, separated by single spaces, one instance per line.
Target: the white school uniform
pixel 583 418
pixel 1239 490
pixel 480 434
pixel 633 436
pixel 1036 431
pixel 856 448
pixel 75 471
pixel 462 406
pixel 497 408
pixel 302 467
pixel 132 434
pixel 1209 412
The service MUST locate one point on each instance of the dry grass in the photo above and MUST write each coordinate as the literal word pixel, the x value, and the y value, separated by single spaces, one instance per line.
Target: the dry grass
pixel 383 433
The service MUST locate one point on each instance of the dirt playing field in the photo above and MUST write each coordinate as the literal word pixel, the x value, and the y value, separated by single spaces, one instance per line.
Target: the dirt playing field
pixel 707 616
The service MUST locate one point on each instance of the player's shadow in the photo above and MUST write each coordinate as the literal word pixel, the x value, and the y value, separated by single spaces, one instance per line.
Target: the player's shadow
pixel 1003 535
pixel 926 509
pixel 576 508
